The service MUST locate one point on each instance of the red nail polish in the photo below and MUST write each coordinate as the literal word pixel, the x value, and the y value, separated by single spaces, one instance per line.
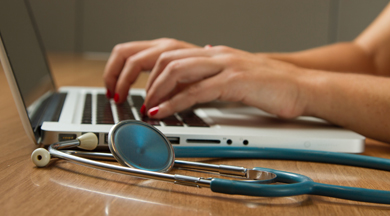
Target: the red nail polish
pixel 153 111
pixel 108 94
pixel 116 97
pixel 142 110
pixel 208 46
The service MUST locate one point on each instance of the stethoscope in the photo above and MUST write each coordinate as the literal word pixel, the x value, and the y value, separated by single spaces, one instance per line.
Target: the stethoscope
pixel 145 152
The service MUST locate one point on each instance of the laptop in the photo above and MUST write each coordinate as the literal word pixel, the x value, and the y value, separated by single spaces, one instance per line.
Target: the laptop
pixel 50 115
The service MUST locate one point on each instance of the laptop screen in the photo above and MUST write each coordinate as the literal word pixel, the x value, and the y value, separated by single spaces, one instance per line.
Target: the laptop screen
pixel 27 60
pixel 24 50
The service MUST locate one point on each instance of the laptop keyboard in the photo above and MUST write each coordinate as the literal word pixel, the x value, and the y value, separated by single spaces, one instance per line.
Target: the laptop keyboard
pixel 104 113
pixel 87 113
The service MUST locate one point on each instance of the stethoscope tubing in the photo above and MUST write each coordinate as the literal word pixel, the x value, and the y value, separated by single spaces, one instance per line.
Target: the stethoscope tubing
pixel 299 185
pixel 296 184
pixel 283 154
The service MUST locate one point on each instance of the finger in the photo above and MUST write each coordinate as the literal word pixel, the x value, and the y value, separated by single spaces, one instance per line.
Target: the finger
pixel 117 60
pixel 200 92
pixel 180 71
pixel 143 60
pixel 170 56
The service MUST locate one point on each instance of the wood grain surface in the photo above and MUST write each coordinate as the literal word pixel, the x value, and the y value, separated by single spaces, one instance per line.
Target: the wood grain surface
pixel 65 188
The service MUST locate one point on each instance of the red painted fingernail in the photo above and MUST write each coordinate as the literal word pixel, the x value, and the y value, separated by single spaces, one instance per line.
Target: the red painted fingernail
pixel 142 110
pixel 116 97
pixel 208 46
pixel 108 94
pixel 153 111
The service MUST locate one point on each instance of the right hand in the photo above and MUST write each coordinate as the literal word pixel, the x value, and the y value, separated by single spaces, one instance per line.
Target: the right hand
pixel 182 78
pixel 127 60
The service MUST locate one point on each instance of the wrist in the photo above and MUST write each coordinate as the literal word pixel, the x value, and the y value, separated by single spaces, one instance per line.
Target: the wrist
pixel 311 95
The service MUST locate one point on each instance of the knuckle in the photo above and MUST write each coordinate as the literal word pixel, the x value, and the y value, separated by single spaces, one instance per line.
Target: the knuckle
pixel 171 43
pixel 163 39
pixel 170 105
pixel 222 48
pixel 118 48
pixel 119 85
pixel 234 76
pixel 132 61
pixel 173 68
pixel 106 76
pixel 229 59
pixel 194 89
pixel 109 79
pixel 165 58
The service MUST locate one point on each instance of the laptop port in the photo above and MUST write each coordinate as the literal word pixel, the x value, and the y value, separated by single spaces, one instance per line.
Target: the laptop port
pixel 245 142
pixel 106 138
pixel 204 141
pixel 66 137
pixel 174 140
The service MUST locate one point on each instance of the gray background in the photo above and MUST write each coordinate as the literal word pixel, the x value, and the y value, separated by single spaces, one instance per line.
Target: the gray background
pixel 252 25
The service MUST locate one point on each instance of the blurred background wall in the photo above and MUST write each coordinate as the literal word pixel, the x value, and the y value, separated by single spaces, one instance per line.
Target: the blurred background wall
pixel 252 25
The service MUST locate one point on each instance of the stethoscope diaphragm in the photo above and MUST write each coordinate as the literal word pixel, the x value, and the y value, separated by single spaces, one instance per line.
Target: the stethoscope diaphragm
pixel 139 145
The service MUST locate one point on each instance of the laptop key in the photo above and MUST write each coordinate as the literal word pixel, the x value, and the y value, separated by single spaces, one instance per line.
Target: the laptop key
pixel 154 122
pixel 87 112
pixel 104 112
pixel 138 101
pixel 191 119
pixel 188 116
pixel 124 111
pixel 172 121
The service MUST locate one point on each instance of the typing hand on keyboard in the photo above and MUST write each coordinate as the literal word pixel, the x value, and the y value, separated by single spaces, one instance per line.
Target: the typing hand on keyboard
pixel 104 114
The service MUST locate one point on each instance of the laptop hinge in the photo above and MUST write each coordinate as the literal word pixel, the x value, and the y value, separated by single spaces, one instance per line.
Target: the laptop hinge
pixel 49 110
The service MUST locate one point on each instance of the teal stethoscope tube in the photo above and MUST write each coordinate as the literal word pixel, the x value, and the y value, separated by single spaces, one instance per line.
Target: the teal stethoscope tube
pixel 284 154
pixel 297 184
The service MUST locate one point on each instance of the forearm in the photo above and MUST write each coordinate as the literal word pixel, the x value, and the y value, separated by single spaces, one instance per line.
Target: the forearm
pixel 357 102
pixel 340 57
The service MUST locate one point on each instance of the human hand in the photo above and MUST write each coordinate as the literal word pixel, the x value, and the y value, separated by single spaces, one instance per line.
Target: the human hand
pixel 182 78
pixel 127 60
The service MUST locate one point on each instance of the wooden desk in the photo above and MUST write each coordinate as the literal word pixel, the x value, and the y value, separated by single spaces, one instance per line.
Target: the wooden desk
pixel 68 189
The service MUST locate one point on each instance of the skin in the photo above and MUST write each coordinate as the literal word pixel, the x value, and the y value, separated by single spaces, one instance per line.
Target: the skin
pixel 346 83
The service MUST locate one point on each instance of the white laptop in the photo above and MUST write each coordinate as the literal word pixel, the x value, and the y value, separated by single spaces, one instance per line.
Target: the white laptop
pixel 50 115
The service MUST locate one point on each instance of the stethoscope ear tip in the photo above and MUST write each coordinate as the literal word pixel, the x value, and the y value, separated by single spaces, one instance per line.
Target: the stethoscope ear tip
pixel 88 141
pixel 40 157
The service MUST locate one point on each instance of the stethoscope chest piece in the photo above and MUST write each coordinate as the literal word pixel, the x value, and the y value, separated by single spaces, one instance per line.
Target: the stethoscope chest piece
pixel 139 145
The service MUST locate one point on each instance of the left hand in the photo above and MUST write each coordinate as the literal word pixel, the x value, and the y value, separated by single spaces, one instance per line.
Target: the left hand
pixel 182 78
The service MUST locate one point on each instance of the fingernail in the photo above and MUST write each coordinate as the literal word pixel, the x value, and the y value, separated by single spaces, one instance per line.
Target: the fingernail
pixel 208 46
pixel 116 97
pixel 142 110
pixel 108 94
pixel 153 111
